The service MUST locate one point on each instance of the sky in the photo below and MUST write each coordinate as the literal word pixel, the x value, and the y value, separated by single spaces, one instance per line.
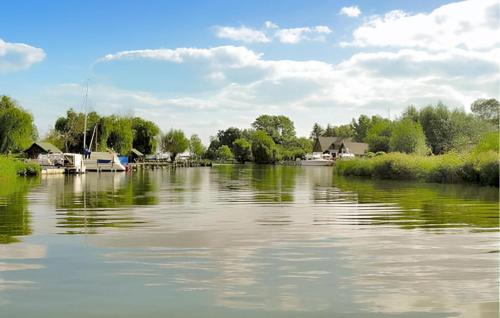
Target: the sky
pixel 202 66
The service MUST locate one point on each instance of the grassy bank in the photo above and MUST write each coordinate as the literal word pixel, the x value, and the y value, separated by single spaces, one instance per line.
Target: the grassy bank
pixel 11 167
pixel 482 168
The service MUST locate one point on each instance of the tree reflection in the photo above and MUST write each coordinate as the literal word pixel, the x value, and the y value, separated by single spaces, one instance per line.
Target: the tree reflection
pixel 88 202
pixel 424 205
pixel 15 218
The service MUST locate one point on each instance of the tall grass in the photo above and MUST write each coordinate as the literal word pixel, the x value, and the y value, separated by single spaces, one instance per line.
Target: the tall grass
pixel 11 167
pixel 482 168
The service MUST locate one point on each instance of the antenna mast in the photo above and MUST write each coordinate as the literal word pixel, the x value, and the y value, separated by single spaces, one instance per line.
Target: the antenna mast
pixel 85 123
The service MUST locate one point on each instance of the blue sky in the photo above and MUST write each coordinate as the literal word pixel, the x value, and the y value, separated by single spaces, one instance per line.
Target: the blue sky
pixel 206 65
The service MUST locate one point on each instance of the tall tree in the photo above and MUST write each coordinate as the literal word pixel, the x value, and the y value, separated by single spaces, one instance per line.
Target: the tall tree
pixel 264 149
pixel 242 150
pixel 317 131
pixel 116 134
pixel 279 128
pixel 145 133
pixel 361 127
pixel 228 136
pixel 175 142
pixel 17 130
pixel 408 136
pixel 196 148
pixel 487 109
pixel 379 134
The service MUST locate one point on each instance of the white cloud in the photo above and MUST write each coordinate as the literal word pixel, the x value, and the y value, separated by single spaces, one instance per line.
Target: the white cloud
pixel 296 35
pixel 18 56
pixel 469 24
pixel 270 25
pixel 364 83
pixel 270 30
pixel 352 12
pixel 243 34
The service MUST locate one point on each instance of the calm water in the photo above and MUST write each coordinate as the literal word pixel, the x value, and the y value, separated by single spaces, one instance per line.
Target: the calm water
pixel 246 242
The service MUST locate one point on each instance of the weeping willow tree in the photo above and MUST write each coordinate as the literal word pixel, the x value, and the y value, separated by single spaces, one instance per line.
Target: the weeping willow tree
pixel 17 130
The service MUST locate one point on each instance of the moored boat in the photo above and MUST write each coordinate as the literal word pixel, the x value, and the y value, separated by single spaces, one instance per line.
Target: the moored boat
pixel 317 160
pixel 103 161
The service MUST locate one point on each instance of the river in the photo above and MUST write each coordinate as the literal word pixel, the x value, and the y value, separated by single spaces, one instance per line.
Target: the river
pixel 246 241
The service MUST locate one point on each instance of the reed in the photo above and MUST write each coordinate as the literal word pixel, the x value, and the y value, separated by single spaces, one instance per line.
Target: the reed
pixel 482 168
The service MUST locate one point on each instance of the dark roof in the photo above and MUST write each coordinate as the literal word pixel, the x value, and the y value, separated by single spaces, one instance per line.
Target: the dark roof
pixel 325 143
pixel 356 148
pixel 136 152
pixel 46 146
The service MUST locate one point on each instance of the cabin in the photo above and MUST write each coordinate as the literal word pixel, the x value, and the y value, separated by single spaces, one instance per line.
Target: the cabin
pixel 339 145
pixel 40 148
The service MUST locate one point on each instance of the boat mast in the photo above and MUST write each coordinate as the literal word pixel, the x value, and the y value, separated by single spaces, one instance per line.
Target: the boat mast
pixel 85 122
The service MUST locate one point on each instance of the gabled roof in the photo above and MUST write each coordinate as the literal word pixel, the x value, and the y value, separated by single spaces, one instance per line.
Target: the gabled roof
pixel 356 148
pixel 46 146
pixel 326 142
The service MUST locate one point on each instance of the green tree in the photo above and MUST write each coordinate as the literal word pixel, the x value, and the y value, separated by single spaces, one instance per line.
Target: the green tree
pixel 224 153
pixel 487 109
pixel 145 133
pixel 71 129
pixel 17 130
pixel 264 149
pixel 408 136
pixel 175 142
pixel 329 131
pixel 361 127
pixel 196 148
pixel 242 150
pixel 228 136
pixel 211 152
pixel 317 131
pixel 116 134
pixel 378 135
pixel 279 128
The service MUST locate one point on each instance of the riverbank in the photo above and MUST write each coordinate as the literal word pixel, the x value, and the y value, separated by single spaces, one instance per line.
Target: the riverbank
pixel 11 167
pixel 481 168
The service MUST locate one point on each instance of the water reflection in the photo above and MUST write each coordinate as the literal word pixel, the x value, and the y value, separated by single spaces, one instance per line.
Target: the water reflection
pixel 262 241
pixel 14 215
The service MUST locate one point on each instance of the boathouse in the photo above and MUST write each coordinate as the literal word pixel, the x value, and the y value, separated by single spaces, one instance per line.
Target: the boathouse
pixel 40 147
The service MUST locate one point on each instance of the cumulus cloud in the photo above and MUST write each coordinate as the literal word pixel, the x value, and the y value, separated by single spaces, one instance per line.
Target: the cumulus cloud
pixel 352 12
pixel 243 34
pixel 365 82
pixel 18 56
pixel 270 30
pixel 471 24
pixel 296 35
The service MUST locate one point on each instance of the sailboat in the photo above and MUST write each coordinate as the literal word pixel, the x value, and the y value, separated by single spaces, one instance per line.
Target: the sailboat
pixel 98 160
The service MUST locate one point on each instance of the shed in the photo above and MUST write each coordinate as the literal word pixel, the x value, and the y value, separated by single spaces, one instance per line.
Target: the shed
pixel 135 155
pixel 40 147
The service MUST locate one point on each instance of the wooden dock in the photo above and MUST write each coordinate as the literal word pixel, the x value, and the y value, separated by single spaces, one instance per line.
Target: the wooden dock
pixel 162 164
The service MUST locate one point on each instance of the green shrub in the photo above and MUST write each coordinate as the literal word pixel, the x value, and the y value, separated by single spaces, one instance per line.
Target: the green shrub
pixel 480 168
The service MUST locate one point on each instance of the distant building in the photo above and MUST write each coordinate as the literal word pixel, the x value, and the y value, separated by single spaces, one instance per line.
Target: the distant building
pixel 339 145
pixel 40 147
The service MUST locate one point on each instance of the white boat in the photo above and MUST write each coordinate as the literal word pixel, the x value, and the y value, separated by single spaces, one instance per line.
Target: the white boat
pixel 317 160
pixel 103 161
pixel 55 163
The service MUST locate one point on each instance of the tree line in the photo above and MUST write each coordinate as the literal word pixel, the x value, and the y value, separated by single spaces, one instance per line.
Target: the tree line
pixel 434 129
